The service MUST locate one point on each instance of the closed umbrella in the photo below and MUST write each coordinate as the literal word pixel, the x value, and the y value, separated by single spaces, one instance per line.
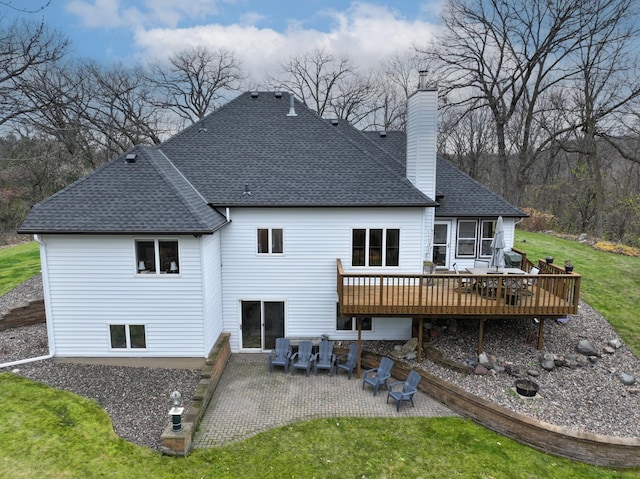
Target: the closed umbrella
pixel 497 246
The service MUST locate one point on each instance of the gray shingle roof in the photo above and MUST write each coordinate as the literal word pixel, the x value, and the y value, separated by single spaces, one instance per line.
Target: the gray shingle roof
pixel 148 196
pixel 457 193
pixel 285 160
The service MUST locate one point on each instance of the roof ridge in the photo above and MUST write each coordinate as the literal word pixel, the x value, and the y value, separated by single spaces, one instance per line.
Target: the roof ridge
pixel 156 165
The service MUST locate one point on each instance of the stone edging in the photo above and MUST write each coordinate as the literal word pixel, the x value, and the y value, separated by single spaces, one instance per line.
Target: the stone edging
pixel 595 449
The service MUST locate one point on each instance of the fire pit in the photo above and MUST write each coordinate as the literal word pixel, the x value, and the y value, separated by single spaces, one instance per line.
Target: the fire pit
pixel 527 388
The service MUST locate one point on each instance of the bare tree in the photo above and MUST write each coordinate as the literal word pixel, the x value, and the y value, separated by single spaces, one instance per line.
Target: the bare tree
pixel 121 111
pixel 329 85
pixel 467 138
pixel 396 80
pixel 505 55
pixel 194 80
pixel 24 47
pixel 607 89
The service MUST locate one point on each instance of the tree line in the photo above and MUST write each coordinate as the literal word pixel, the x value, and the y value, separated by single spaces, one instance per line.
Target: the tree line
pixel 538 100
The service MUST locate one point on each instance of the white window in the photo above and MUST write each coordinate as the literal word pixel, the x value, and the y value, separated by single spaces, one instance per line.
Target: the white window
pixel 466 244
pixel 154 256
pixel 127 336
pixel 375 247
pixel 270 241
pixel 347 323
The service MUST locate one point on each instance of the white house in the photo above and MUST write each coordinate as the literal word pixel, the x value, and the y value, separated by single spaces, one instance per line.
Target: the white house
pixel 235 225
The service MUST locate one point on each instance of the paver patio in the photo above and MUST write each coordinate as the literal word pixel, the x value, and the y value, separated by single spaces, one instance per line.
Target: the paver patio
pixel 249 400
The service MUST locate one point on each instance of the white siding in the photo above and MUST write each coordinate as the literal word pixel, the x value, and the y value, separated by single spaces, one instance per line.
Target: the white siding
pixel 212 274
pixel 422 126
pixel 93 283
pixel 305 275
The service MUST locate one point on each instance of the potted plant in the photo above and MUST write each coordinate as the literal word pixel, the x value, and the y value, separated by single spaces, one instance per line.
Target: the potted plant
pixel 549 259
pixel 568 266
pixel 428 267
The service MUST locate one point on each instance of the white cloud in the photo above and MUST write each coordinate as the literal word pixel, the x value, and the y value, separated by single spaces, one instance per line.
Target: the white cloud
pixel 99 14
pixel 122 13
pixel 364 32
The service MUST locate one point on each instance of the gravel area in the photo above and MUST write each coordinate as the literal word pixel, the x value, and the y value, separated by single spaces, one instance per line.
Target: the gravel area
pixel 588 398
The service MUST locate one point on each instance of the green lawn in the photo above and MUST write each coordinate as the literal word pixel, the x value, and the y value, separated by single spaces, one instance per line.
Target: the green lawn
pixel 610 282
pixel 17 264
pixel 48 433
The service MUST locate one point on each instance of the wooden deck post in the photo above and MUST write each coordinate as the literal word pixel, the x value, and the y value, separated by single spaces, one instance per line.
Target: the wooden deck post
pixel 480 334
pixel 359 323
pixel 420 327
pixel 540 333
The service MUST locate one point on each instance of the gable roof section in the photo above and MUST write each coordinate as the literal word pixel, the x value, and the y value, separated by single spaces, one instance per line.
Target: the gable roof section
pixel 146 196
pixel 285 160
pixel 458 194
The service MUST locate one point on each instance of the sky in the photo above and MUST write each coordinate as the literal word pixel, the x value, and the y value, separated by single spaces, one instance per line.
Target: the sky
pixel 262 34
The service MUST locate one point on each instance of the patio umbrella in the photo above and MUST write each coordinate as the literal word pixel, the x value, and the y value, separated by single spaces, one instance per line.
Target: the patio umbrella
pixel 497 246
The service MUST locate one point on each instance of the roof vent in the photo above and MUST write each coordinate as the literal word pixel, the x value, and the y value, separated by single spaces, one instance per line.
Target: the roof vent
pixel 247 191
pixel 383 134
pixel 292 110
pixel 131 158
pixel 254 94
pixel 334 121
pixel 278 94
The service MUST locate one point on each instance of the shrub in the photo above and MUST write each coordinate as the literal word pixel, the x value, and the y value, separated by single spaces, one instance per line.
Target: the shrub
pixel 538 221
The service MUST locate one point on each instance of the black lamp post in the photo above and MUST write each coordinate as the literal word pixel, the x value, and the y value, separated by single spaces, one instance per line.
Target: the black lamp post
pixel 176 410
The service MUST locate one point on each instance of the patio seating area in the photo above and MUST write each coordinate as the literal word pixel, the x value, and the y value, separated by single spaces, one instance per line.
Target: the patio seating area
pixel 249 400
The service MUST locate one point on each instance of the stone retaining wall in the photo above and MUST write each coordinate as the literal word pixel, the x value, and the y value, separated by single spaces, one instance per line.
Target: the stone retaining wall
pixel 31 313
pixel 595 449
pixel 179 442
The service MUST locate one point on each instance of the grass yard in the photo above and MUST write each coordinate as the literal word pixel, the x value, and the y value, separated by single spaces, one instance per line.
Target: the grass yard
pixel 610 282
pixel 18 264
pixel 48 433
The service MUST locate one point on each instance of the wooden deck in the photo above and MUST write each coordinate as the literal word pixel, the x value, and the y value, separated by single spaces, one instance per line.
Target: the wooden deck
pixel 464 295
pixel 550 294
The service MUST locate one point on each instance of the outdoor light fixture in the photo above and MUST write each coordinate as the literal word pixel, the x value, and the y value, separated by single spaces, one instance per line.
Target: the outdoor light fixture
pixel 176 411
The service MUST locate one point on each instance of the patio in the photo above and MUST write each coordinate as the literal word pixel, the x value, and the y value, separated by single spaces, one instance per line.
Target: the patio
pixel 248 400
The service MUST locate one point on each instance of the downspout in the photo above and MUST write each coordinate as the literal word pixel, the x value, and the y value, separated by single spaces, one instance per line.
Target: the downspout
pixel 45 284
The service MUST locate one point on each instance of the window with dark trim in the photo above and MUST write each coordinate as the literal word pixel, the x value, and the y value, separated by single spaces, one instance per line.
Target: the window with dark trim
pixel 155 256
pixel 127 336
pixel 375 247
pixel 270 241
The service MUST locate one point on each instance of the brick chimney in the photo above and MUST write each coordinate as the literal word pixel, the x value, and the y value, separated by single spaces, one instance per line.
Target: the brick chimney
pixel 422 127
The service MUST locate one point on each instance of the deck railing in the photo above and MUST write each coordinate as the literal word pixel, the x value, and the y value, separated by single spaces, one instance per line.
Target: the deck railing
pixel 552 293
